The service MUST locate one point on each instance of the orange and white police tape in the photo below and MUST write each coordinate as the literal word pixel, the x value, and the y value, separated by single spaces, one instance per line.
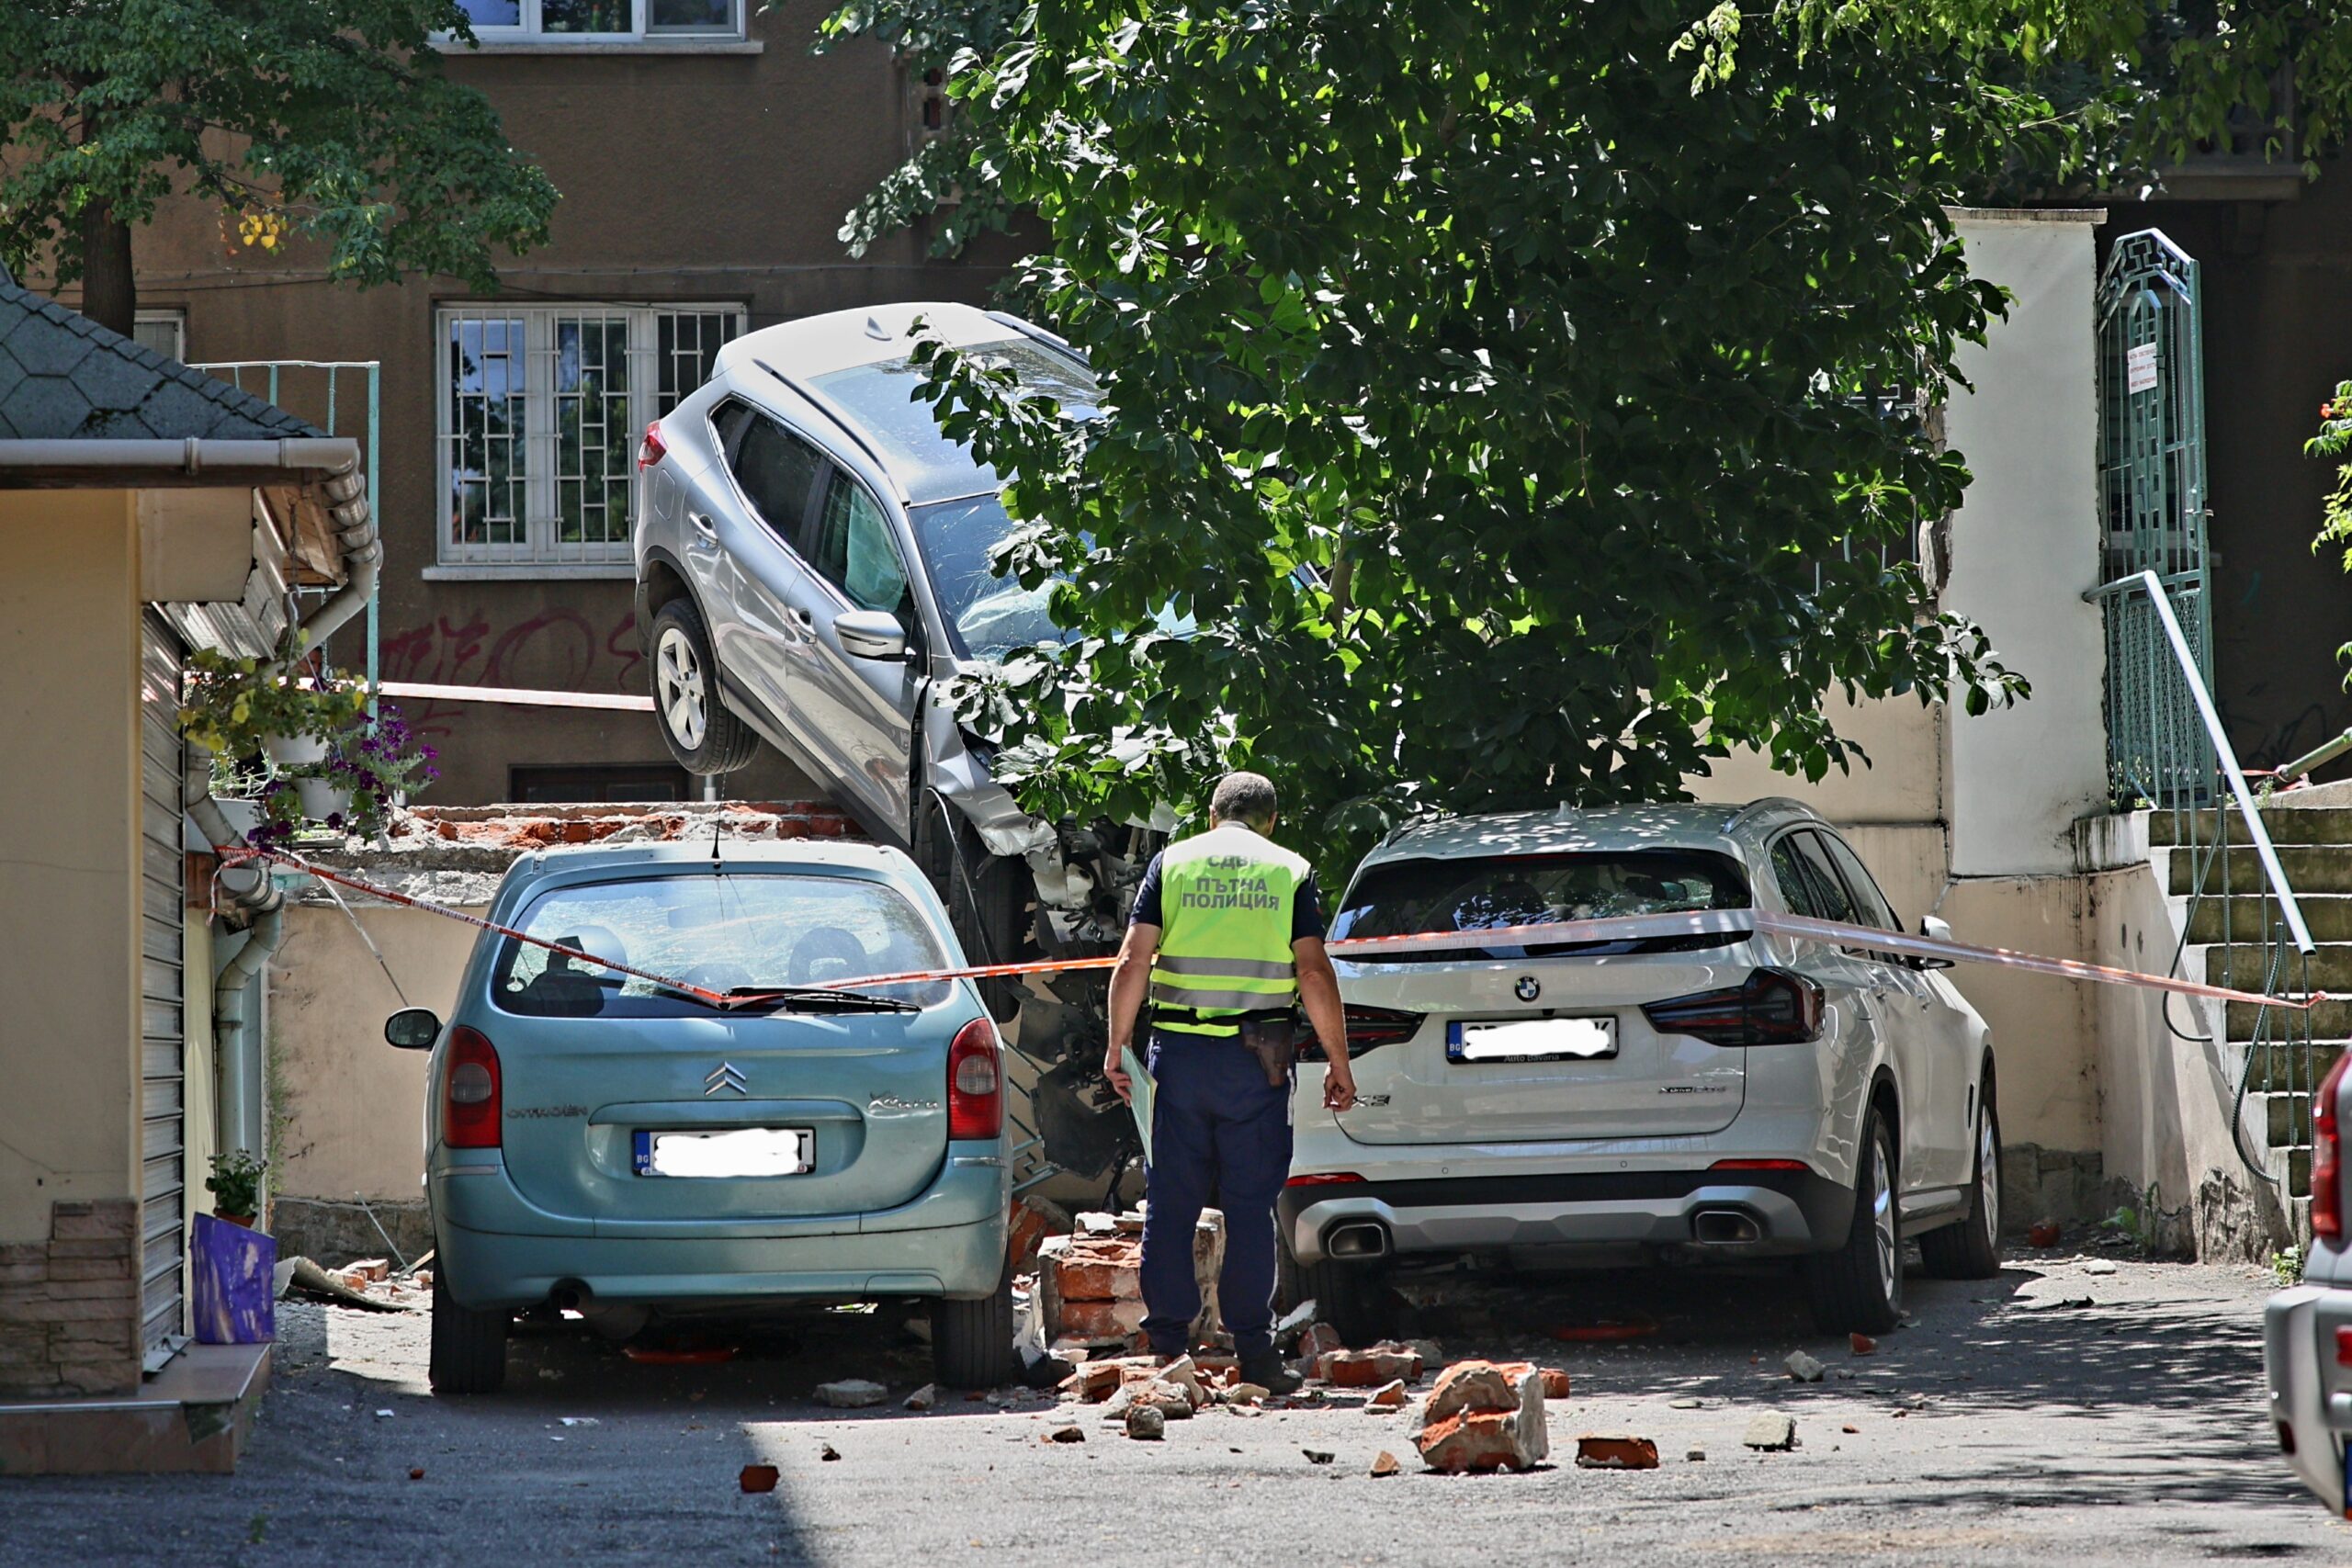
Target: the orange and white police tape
pixel 1552 933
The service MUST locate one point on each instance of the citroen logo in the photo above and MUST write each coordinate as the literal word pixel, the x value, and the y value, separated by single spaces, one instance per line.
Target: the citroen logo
pixel 723 1076
pixel 1528 988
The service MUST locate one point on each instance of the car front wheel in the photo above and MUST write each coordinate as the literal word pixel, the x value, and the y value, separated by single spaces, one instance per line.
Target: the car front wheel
pixel 1971 1249
pixel 701 731
pixel 1858 1288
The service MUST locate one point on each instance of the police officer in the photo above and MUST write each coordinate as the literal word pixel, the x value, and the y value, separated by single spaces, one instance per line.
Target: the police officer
pixel 1228 929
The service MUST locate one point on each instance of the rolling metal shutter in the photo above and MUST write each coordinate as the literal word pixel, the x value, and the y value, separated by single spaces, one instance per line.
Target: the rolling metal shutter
pixel 163 1038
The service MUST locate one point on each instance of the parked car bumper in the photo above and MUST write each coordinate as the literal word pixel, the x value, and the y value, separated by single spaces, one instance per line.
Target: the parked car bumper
pixel 2298 1343
pixel 1792 1212
pixel 499 1250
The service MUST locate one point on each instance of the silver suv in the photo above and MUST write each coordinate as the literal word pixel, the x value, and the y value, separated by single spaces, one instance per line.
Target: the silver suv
pixel 812 567
pixel 1728 1096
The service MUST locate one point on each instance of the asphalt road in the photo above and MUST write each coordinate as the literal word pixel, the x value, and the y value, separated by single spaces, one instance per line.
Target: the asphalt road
pixel 1998 1427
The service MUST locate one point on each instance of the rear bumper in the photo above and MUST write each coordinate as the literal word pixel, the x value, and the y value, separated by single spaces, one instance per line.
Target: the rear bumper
pixel 1793 1211
pixel 2294 1325
pixel 500 1251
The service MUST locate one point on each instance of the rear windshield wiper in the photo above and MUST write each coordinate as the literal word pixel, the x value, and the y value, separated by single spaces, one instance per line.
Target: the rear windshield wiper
pixel 816 998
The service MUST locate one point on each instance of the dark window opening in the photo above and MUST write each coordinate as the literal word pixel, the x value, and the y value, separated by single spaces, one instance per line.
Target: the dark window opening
pixel 564 785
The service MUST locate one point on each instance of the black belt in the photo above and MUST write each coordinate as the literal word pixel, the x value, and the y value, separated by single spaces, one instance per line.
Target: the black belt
pixel 1231 1020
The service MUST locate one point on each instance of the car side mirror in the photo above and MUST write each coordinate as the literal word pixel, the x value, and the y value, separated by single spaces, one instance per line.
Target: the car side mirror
pixel 412 1029
pixel 870 634
pixel 1935 930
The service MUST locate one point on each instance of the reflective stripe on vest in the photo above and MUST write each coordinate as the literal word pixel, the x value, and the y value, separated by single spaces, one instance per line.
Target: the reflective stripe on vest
pixel 1225 902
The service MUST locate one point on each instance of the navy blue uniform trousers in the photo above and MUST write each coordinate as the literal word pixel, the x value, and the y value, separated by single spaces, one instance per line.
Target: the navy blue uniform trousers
pixel 1219 1131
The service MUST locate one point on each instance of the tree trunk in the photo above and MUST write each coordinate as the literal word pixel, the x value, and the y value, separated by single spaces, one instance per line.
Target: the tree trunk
pixel 109 292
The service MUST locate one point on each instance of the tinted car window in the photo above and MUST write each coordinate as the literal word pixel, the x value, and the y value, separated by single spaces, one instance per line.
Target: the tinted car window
pixel 1406 896
pixel 778 469
pixel 1797 888
pixel 850 545
pixel 1830 899
pixel 723 932
pixel 1875 909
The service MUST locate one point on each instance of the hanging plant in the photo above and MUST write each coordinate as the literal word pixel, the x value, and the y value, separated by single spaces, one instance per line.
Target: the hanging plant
pixel 307 747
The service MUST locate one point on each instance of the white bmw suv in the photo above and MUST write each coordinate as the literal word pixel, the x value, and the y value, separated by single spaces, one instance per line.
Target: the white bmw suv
pixel 1728 1096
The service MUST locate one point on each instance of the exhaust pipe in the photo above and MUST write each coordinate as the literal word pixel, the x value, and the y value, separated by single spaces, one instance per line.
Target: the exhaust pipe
pixel 570 1296
pixel 1724 1227
pixel 1356 1239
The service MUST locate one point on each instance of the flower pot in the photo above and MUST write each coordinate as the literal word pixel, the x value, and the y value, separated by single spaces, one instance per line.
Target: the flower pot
pixel 323 798
pixel 295 750
pixel 244 1220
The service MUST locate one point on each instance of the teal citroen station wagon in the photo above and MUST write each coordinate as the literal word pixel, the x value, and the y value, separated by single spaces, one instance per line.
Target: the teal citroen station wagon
pixel 600 1143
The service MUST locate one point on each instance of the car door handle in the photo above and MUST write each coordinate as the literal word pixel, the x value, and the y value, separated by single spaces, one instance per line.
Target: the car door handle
pixel 701 524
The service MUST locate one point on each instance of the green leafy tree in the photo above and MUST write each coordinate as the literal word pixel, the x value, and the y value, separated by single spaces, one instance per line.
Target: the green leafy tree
pixel 1502 406
pixel 329 118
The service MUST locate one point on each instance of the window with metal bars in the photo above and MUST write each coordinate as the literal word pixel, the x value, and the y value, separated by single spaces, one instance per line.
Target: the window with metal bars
pixel 540 411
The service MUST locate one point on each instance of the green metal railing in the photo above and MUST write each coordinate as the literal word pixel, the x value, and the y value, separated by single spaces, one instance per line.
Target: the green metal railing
pixel 317 390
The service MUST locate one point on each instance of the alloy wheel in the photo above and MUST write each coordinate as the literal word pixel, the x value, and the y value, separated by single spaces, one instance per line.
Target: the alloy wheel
pixel 679 689
pixel 1988 1175
pixel 1890 1262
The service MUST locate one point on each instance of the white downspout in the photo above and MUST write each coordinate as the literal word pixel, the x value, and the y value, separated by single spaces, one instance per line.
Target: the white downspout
pixel 249 887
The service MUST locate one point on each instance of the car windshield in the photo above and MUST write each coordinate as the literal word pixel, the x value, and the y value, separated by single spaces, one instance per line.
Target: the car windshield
pixel 880 399
pixel 731 931
pixel 1408 897
pixel 987 616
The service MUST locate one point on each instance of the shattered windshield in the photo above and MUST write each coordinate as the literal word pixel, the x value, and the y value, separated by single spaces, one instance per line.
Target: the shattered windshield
pixel 988 616
pixel 723 932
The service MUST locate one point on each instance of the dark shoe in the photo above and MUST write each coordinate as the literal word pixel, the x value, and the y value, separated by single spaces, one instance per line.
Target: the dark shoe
pixel 1266 1370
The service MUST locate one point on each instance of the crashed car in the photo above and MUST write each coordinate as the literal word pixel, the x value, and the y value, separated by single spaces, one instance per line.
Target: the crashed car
pixel 813 569
pixel 2307 1328
pixel 1732 1095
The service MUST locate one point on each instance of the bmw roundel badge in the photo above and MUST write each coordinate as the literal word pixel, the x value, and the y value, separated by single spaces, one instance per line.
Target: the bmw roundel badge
pixel 1528 988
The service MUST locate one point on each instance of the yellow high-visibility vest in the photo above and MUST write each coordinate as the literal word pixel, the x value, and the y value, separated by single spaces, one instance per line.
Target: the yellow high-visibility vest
pixel 1225 902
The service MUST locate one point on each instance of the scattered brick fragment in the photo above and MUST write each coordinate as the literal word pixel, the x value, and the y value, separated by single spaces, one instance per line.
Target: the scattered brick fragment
pixel 1610 1450
pixel 1319 1339
pixel 1862 1344
pixel 1318 1456
pixel 1770 1433
pixel 827 1452
pixel 1387 1396
pixel 1485 1416
pixel 1556 1383
pixel 1366 1369
pixel 1146 1423
pixel 925 1397
pixel 417 1475
pixel 1067 1434
pixel 758 1478
pixel 2043 1234
pixel 1384 1464
pixel 1095 1382
pixel 1803 1368
pixel 851 1393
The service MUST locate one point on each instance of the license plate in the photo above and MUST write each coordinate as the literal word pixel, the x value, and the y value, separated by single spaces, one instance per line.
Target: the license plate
pixel 1533 1040
pixel 744 1151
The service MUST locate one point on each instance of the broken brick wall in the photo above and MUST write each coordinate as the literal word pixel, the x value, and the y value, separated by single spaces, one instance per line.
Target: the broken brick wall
pixel 70 1306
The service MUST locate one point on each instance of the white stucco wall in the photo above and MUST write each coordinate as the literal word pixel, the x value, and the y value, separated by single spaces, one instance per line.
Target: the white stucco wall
pixel 2025 547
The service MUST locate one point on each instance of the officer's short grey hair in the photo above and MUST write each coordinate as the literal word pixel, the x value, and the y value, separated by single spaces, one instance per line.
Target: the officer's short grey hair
pixel 1243 797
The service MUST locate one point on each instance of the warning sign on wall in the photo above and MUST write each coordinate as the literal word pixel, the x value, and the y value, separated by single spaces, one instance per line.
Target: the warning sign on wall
pixel 2140 369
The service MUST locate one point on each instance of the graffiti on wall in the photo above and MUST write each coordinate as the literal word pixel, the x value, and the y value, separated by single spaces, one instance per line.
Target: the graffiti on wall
pixel 556 651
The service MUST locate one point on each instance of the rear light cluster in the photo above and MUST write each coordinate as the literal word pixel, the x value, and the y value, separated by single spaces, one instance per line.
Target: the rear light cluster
pixel 471 1095
pixel 1367 1027
pixel 1771 1007
pixel 652 450
pixel 2327 1156
pixel 975 1082
pixel 1329 1178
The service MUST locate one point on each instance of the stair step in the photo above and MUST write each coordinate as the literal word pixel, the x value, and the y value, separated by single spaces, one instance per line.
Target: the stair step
pixel 2311 869
pixel 2248 968
pixel 2278 1071
pixel 2322 825
pixel 2287 1120
pixel 2298 1173
pixel 2330 1022
pixel 2253 919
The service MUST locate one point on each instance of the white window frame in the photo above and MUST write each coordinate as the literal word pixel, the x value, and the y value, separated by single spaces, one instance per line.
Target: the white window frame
pixel 542 551
pixel 174 318
pixel 528 29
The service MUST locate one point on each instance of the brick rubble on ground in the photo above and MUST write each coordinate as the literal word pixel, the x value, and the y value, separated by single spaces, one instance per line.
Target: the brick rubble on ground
pixel 1485 1415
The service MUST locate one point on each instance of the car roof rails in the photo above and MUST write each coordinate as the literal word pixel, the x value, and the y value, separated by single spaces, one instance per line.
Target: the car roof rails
pixel 1763 803
pixel 857 440
pixel 1052 339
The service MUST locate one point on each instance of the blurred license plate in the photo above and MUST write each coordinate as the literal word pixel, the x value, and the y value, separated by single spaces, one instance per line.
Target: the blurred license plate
pixel 744 1151
pixel 1533 1040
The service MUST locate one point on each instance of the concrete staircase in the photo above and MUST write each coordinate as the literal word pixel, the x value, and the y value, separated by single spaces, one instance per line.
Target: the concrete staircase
pixel 2315 845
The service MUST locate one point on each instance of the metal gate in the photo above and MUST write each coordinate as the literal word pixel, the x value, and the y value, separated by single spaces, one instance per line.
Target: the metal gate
pixel 2151 480
pixel 163 1028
